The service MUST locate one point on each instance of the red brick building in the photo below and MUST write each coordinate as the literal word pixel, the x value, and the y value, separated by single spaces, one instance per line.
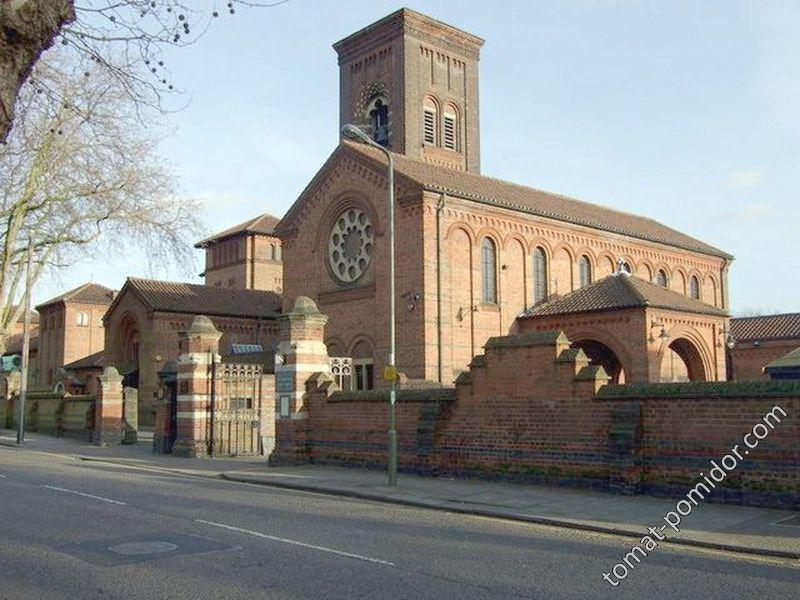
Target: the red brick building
pixel 70 328
pixel 637 330
pixel 757 341
pixel 473 252
pixel 144 323
pixel 246 256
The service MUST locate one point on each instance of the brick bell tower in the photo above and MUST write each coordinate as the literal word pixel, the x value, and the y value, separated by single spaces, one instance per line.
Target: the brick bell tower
pixel 412 83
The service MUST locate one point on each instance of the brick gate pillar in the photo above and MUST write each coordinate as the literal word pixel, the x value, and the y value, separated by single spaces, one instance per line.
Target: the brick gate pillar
pixel 301 353
pixel 199 347
pixel 108 409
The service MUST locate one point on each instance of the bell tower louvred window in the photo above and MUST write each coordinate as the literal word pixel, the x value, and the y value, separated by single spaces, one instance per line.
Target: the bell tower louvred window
pixel 450 129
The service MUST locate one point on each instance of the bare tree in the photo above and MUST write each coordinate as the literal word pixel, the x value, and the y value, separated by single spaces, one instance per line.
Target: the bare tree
pixel 126 37
pixel 81 176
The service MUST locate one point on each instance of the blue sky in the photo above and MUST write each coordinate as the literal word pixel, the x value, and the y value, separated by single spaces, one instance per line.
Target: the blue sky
pixel 684 111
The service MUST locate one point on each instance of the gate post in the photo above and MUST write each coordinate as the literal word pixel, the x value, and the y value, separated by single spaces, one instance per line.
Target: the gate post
pixel 199 346
pixel 108 409
pixel 301 353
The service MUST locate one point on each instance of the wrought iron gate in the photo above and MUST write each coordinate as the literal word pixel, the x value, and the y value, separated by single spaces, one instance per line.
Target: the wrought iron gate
pixel 235 410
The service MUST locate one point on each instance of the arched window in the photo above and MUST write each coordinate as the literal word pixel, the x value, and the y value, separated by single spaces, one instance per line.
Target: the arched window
pixel 661 278
pixel 694 287
pixel 273 252
pixel 585 271
pixel 489 268
pixel 429 118
pixel 539 275
pixel 450 128
pixel 379 116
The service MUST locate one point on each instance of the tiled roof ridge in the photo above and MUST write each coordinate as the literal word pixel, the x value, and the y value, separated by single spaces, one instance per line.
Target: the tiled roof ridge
pixel 693 244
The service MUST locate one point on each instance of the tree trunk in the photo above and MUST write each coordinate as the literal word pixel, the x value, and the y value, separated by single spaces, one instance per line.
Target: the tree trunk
pixel 27 28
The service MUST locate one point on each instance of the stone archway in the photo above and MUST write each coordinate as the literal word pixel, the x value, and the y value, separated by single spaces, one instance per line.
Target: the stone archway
pixel 600 354
pixel 682 361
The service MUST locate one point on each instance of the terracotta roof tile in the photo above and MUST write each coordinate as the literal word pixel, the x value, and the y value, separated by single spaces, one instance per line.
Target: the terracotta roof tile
pixel 768 327
pixel 617 292
pixel 88 293
pixel 196 299
pixel 497 192
pixel 262 224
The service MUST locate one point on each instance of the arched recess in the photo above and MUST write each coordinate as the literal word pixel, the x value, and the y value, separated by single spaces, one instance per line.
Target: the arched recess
pixel 644 270
pixel 682 361
pixel 710 291
pixel 602 354
pixel 561 270
pixel 129 341
pixel 458 294
pixel 606 265
pixel 514 278
pixel 690 348
pixel 679 280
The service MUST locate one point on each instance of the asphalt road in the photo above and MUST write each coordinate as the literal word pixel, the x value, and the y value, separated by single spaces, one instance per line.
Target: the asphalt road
pixel 76 529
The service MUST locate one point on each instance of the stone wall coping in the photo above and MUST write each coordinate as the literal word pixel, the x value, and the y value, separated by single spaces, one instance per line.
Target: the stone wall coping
pixel 533 338
pixel 412 395
pixel 709 389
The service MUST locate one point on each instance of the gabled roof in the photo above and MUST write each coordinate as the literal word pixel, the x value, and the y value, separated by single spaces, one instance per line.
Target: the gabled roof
pixel 767 327
pixel 196 299
pixel 496 192
pixel 618 292
pixel 93 361
pixel 787 361
pixel 261 225
pixel 88 293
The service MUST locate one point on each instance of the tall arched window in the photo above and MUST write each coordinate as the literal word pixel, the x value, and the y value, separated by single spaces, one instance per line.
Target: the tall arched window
pixel 694 287
pixel 429 118
pixel 450 128
pixel 379 115
pixel 661 278
pixel 539 275
pixel 489 267
pixel 585 270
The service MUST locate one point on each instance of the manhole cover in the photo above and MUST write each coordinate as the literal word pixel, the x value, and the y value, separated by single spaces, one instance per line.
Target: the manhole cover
pixel 135 548
pixel 138 548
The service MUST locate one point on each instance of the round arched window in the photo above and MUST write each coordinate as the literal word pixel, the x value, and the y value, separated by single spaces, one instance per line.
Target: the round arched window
pixel 350 245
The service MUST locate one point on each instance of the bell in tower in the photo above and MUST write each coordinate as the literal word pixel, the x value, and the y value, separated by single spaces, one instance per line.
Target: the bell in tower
pixel 412 83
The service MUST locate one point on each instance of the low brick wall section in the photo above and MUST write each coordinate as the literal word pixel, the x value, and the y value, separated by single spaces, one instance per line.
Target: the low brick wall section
pixel 685 426
pixel 77 419
pixel 534 409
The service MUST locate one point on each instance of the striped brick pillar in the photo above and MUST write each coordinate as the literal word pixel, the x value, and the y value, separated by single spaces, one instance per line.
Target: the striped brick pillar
pixel 301 353
pixel 108 409
pixel 199 348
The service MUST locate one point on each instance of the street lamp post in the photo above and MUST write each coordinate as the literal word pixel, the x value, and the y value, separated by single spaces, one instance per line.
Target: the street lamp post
pixel 352 131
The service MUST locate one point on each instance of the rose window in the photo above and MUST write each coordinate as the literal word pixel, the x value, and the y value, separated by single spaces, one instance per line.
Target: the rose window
pixel 350 245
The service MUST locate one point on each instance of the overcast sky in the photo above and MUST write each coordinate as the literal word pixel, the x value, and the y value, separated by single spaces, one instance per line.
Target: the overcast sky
pixel 684 111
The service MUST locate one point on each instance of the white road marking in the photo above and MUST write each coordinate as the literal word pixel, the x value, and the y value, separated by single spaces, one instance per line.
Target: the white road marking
pixel 60 489
pixel 2 477
pixel 296 543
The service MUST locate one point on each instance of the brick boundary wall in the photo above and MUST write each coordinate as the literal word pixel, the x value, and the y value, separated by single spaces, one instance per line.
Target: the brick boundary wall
pixel 532 409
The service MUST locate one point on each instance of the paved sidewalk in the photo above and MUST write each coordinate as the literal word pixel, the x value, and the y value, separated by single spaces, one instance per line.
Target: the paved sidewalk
pixel 736 528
